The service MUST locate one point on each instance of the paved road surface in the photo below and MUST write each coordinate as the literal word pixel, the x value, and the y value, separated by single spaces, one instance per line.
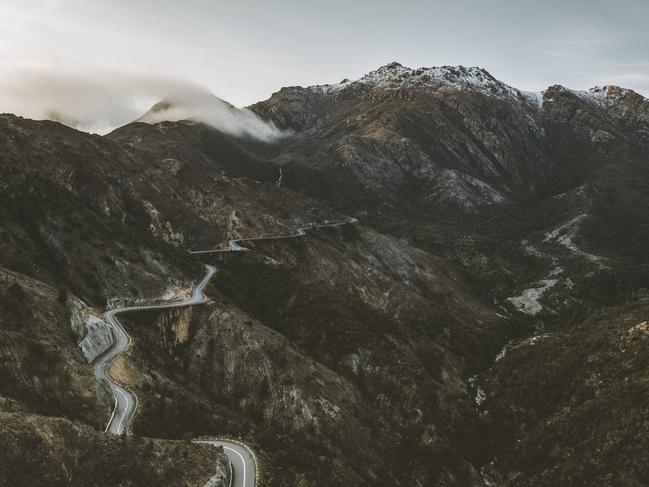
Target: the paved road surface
pixel 243 464
pixel 234 245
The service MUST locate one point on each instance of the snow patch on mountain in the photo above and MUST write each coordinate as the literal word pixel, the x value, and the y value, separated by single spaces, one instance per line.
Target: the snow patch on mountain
pixel 605 95
pixel 534 98
pixel 396 76
pixel 331 88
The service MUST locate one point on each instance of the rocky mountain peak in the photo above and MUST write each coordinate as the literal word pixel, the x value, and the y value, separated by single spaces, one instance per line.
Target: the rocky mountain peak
pixel 620 103
pixel 395 76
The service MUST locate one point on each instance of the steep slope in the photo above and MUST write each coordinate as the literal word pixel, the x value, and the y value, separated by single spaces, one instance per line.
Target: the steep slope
pixel 40 364
pixel 56 452
pixel 312 342
pixel 68 219
pixel 585 427
pixel 127 206
pixel 455 135
pixel 45 378
pixel 484 174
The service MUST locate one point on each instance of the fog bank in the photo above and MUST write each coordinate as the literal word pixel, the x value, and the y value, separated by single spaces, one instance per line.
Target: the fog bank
pixel 207 108
pixel 100 100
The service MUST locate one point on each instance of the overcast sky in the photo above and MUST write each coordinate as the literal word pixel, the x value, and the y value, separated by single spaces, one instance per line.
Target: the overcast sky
pixel 245 50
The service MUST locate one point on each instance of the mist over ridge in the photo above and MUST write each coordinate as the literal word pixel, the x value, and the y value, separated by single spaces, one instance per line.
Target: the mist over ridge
pixel 100 100
pixel 207 108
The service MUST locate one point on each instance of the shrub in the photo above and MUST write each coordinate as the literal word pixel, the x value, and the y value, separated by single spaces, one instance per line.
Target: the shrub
pixel 62 296
pixel 16 291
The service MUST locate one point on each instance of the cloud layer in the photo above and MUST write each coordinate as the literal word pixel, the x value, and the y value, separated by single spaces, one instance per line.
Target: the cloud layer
pixel 207 108
pixel 100 100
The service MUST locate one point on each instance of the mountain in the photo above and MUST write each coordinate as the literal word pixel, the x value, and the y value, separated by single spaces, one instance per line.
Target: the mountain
pixel 113 217
pixel 488 218
pixel 453 136
pixel 435 154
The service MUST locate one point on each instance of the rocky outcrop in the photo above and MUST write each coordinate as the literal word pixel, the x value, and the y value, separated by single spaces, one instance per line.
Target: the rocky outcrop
pixel 98 338
pixel 174 326
pixel 162 229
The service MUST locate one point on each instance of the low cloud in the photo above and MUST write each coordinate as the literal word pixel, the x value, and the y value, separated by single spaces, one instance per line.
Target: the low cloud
pixel 207 108
pixel 98 101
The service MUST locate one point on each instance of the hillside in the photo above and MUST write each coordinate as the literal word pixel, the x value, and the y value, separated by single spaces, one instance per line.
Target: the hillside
pixel 351 355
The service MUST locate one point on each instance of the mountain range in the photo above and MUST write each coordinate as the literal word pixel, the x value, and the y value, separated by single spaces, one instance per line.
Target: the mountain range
pixel 484 323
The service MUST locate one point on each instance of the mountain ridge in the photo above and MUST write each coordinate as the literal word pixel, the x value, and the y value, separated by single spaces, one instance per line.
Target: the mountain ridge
pixel 396 76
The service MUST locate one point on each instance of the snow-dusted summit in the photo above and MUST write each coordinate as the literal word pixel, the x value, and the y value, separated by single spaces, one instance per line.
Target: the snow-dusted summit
pixel 396 76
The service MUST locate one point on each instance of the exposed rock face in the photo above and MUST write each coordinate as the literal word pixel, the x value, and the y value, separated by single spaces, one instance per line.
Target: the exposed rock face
pixel 458 189
pixel 98 338
pixel 174 327
pixel 162 229
pixel 250 361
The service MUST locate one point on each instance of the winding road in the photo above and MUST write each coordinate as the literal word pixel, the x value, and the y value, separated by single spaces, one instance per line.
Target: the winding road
pixel 242 460
pixel 126 400
pixel 244 465
pixel 234 245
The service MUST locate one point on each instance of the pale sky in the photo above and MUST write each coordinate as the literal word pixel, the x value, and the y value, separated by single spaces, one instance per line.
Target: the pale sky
pixel 244 50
